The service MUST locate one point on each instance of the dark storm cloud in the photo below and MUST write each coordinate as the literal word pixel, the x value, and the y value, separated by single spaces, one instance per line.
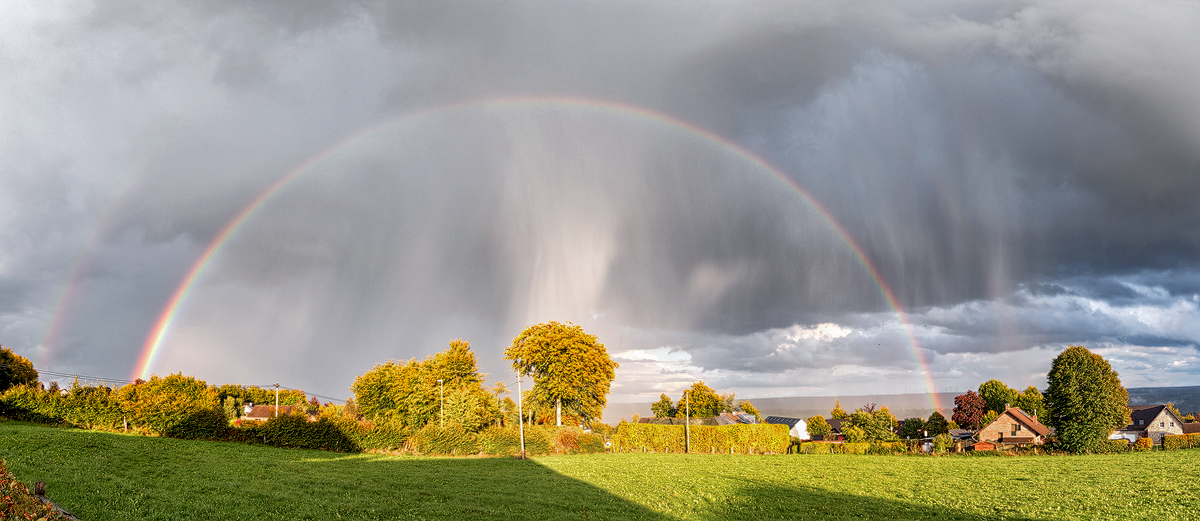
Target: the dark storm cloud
pixel 1022 176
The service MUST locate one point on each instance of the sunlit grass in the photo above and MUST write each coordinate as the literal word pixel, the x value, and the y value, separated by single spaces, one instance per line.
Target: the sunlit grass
pixel 111 476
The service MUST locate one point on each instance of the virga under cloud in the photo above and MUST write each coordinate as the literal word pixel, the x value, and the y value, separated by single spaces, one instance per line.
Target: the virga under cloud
pixel 1023 177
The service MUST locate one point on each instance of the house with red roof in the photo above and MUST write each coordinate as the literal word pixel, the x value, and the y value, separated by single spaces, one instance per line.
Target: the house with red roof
pixel 1014 427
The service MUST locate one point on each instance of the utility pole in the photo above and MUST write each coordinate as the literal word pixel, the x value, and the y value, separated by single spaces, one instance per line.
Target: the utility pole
pixel 442 400
pixel 520 416
pixel 687 421
pixel 276 398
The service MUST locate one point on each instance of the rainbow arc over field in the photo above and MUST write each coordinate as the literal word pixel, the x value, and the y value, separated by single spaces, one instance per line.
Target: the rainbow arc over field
pixel 154 341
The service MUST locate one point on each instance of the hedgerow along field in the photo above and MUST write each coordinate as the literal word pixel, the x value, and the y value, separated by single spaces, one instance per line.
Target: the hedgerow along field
pixel 99 475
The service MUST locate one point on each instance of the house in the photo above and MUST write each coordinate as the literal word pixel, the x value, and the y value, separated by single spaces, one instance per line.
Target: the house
pixel 1191 428
pixel 797 428
pixel 836 425
pixel 265 412
pixel 1014 427
pixel 1149 421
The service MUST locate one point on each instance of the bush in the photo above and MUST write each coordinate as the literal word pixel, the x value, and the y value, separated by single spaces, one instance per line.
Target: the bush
pixel 817 448
pixel 1114 446
pixel 19 503
pixel 452 440
pixel 741 439
pixel 202 424
pixel 1143 445
pixel 942 443
pixel 855 448
pixel 1181 441
pixel 888 448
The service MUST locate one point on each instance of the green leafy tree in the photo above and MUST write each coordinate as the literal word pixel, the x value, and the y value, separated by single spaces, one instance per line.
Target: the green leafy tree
pixel 875 424
pixel 570 368
pixel 705 402
pixel 1085 400
pixel 914 428
pixel 818 428
pixel 15 370
pixel 969 410
pixel 854 434
pixel 1031 401
pixel 664 407
pixel 838 413
pixel 988 417
pixel 936 424
pixel 997 395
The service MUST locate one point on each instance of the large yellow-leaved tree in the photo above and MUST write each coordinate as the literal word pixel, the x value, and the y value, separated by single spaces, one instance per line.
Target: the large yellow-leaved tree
pixel 570 368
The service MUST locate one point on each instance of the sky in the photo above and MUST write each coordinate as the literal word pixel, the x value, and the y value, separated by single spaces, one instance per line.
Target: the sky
pixel 779 198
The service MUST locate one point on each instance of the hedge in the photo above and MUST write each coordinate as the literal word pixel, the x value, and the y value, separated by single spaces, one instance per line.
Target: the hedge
pixel 1143 445
pixel 1181 441
pixel 724 439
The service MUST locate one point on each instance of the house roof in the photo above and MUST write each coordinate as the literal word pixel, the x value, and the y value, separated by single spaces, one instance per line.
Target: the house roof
pixel 1191 428
pixel 961 434
pixel 267 411
pixel 784 420
pixel 1026 420
pixel 835 424
pixel 1140 416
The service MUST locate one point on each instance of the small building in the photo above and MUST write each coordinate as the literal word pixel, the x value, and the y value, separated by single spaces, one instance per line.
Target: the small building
pixel 1014 427
pixel 797 428
pixel 1149 421
pixel 835 426
pixel 983 445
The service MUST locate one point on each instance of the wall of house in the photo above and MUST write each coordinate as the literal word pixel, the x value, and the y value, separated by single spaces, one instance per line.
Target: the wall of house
pixel 1163 424
pixel 1000 428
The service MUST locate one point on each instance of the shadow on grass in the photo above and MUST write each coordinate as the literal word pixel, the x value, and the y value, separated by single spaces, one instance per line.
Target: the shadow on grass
pixel 769 501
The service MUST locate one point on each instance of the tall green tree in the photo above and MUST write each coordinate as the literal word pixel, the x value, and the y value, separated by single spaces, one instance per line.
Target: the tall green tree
pixel 876 424
pixel 1031 401
pixel 997 395
pixel 570 368
pixel 1085 400
pixel 15 370
pixel 914 428
pixel 704 402
pixel 664 407
pixel 936 424
pixel 838 413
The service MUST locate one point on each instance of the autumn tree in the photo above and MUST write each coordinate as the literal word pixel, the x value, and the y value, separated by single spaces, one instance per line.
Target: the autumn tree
pixel 1084 399
pixel 749 408
pixel 936 424
pixel 15 370
pixel 570 368
pixel 969 410
pixel 818 428
pixel 703 401
pixel 838 413
pixel 664 407
pixel 997 395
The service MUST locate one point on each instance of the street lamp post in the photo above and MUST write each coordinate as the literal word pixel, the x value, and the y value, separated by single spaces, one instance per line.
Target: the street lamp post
pixel 442 401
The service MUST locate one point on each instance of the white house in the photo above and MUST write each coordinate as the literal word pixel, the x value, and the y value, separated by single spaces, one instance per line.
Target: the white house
pixel 797 428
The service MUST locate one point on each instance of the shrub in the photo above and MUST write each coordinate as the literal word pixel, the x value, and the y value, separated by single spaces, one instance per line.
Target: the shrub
pixel 295 431
pixel 1113 446
pixel 499 441
pixel 201 424
pixel 817 448
pixel 855 448
pixel 888 447
pixel 451 440
pixel 942 443
pixel 742 439
pixel 18 503
pixel 1143 445
pixel 1181 441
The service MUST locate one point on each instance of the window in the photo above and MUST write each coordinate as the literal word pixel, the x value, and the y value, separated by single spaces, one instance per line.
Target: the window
pixel 1141 422
pixel 1162 424
pixel 1016 427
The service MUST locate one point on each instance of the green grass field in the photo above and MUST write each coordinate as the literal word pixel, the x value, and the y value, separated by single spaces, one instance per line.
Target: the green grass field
pixel 98 475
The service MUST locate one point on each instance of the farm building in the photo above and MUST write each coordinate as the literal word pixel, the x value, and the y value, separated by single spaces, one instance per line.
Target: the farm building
pixel 797 428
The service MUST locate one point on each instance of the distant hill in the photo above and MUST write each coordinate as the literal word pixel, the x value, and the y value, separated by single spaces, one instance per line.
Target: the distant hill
pixel 1186 399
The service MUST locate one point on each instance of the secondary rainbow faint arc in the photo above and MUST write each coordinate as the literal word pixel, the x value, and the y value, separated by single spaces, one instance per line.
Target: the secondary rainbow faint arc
pixel 154 340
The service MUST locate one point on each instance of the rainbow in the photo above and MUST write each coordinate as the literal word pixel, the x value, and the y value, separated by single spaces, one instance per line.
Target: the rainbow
pixel 154 341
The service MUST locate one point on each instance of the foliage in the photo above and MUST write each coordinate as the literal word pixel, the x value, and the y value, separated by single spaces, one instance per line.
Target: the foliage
pixel 1171 407
pixel 1113 446
pixel 854 434
pixel 969 410
pixel 818 428
pixel 409 395
pixel 1181 441
pixel 18 503
pixel 914 428
pixel 1031 401
pixel 701 400
pixel 161 402
pixel 1085 399
pixel 877 425
pixel 723 439
pixel 838 413
pixel 1143 445
pixel 570 367
pixel 15 370
pixel 259 395
pixel 199 424
pixel 988 418
pixel 942 443
pixel 936 424
pixel 997 395
pixel 664 407
pixel 749 408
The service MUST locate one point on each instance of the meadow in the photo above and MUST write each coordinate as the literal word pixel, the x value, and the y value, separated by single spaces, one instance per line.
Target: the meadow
pixel 99 475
